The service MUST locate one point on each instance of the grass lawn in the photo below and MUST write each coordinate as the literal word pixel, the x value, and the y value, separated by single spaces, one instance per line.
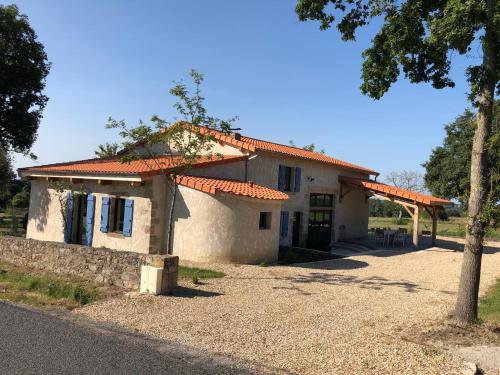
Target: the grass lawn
pixel 20 284
pixel 489 305
pixel 200 273
pixel 454 227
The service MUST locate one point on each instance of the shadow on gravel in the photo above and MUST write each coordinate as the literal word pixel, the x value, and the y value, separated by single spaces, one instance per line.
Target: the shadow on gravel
pixel 373 282
pixel 184 292
pixel 457 246
pixel 334 264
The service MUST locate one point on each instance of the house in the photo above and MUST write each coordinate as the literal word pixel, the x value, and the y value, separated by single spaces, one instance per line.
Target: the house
pixel 236 208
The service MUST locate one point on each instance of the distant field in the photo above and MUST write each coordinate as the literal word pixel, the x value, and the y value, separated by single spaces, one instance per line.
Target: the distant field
pixel 454 227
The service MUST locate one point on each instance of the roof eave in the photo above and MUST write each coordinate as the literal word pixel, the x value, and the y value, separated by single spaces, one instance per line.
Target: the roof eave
pixel 24 173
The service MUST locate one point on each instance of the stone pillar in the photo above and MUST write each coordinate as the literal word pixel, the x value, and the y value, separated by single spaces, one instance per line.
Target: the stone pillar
pixel 159 274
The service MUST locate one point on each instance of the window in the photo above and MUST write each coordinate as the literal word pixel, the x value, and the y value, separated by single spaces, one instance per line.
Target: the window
pixel 289 178
pixel 118 207
pixel 117 215
pixel 321 200
pixel 265 220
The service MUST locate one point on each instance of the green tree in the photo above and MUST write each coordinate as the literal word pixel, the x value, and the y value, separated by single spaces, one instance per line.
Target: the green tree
pixel 382 208
pixel 6 172
pixel 6 177
pixel 448 167
pixel 182 142
pixel 23 67
pixel 418 38
pixel 106 150
pixel 21 199
pixel 311 147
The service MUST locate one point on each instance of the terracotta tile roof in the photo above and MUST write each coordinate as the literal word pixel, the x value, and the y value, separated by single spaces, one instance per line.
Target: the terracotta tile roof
pixel 143 167
pixel 396 192
pixel 253 144
pixel 247 189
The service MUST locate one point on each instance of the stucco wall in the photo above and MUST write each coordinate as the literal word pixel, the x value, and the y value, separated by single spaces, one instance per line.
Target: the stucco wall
pixel 352 214
pixel 315 178
pixel 45 221
pixel 224 228
pixel 231 170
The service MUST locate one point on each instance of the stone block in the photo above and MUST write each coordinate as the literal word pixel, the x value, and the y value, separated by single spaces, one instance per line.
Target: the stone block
pixel 151 280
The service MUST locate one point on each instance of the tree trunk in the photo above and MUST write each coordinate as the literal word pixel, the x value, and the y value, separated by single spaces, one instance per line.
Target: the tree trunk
pixel 466 306
pixel 170 242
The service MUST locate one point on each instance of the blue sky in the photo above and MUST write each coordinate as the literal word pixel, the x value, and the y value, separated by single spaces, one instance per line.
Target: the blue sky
pixel 285 79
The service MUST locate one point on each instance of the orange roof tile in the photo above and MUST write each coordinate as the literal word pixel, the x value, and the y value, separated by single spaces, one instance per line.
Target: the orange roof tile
pixel 396 192
pixel 143 167
pixel 253 144
pixel 247 189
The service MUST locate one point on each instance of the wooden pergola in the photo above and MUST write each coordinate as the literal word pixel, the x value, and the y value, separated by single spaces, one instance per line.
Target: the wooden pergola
pixel 414 203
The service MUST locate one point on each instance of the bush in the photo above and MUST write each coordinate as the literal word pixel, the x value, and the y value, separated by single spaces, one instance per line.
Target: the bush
pixel 443 215
pixel 21 199
pixel 400 220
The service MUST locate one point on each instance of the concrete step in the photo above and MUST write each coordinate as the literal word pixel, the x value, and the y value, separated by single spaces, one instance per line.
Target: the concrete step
pixel 361 246
pixel 355 247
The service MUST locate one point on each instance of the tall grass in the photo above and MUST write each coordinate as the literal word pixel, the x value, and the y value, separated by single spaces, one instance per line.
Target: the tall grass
pixel 14 283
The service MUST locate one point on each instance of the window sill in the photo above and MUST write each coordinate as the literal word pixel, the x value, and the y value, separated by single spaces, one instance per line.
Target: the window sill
pixel 115 234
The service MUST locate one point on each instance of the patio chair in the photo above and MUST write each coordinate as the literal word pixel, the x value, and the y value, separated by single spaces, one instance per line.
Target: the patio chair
pixel 400 236
pixel 379 235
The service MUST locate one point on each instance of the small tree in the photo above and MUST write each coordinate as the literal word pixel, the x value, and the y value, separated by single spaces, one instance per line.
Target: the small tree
pixel 106 150
pixel 311 147
pixel 418 38
pixel 173 147
pixel 409 180
pixel 64 191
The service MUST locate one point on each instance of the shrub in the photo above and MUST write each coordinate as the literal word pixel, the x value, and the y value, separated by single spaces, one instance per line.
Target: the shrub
pixel 400 220
pixel 21 199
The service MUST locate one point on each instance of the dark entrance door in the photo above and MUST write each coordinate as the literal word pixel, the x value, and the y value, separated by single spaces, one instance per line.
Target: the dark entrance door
pixel 320 229
pixel 78 231
pixel 297 221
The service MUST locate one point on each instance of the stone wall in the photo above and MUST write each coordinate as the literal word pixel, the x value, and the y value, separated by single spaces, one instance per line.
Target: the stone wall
pixel 120 268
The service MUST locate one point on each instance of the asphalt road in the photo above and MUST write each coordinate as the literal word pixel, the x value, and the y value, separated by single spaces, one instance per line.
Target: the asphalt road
pixel 36 342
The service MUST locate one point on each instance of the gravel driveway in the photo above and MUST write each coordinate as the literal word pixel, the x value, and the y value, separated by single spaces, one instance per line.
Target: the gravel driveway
pixel 355 315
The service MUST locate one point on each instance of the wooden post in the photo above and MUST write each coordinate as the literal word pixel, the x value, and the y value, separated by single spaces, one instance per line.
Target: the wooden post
pixel 434 225
pixel 14 223
pixel 416 217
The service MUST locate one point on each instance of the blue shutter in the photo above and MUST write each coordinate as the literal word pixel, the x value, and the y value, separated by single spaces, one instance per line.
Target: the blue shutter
pixel 128 217
pixel 297 178
pixel 69 218
pixel 89 225
pixel 281 178
pixel 284 224
pixel 105 214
